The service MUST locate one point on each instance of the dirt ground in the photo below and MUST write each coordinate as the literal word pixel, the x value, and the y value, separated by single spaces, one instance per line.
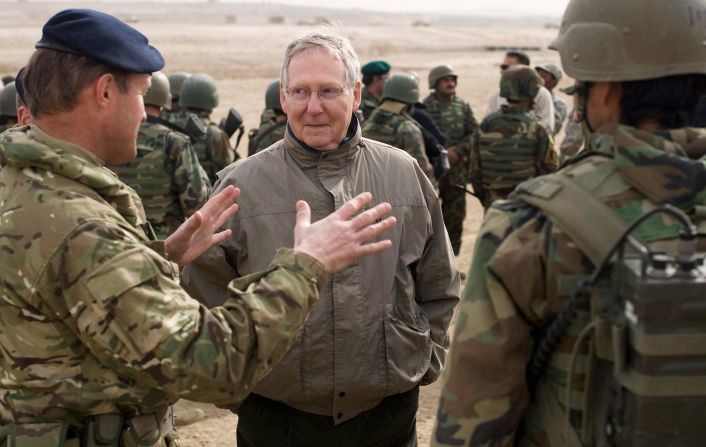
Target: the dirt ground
pixel 245 57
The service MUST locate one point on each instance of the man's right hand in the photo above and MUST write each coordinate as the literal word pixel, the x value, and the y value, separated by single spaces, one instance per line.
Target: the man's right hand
pixel 338 240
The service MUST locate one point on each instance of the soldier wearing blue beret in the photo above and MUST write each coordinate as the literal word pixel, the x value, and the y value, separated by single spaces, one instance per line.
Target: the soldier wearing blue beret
pixel 103 338
pixel 375 73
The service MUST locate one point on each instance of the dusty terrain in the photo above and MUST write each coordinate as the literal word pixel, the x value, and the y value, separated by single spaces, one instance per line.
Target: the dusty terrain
pixel 245 56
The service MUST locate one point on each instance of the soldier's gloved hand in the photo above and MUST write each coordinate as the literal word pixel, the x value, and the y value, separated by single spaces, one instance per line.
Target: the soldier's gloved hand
pixel 198 233
pixel 338 240
pixel 441 164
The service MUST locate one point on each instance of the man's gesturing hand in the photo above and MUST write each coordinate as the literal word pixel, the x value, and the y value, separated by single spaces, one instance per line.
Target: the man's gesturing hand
pixel 198 233
pixel 338 240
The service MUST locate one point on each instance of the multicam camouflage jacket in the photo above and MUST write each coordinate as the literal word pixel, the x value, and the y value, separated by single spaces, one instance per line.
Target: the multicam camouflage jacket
pixel 391 125
pixel 513 285
pixel 214 151
pixel 167 176
pixel 269 133
pixel 368 102
pixel 511 147
pixel 93 320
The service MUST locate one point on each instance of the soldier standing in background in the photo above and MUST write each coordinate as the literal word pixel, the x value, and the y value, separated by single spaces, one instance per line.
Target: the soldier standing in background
pixel 551 74
pixel 455 119
pixel 199 96
pixel 635 92
pixel 271 129
pixel 391 124
pixel 166 173
pixel 375 74
pixel 512 145
pixel 97 337
pixel 544 106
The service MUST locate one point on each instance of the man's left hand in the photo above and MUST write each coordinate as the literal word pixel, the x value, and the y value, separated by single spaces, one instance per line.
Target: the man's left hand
pixel 198 233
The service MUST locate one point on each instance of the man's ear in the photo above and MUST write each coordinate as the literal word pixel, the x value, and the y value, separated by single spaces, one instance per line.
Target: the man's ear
pixel 104 88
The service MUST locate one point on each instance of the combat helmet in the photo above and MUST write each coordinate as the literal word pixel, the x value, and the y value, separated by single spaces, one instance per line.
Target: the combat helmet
pixel 8 106
pixel 158 94
pixel 403 87
pixel 439 72
pixel 199 92
pixel 272 96
pixel 176 80
pixel 519 83
pixel 639 39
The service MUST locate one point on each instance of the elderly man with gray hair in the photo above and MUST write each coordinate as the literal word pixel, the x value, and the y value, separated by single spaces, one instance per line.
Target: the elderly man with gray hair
pixel 381 327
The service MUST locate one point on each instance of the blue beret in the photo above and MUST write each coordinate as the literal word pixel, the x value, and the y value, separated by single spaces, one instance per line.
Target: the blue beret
pixel 100 37
pixel 375 68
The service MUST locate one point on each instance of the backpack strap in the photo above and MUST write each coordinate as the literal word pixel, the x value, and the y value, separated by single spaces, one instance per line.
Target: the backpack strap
pixel 590 223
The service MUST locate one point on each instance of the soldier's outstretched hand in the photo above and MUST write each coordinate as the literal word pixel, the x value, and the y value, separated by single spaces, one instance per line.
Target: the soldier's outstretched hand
pixel 339 239
pixel 198 233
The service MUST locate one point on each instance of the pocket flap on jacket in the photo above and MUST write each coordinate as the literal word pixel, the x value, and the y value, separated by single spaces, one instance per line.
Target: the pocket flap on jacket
pixel 121 273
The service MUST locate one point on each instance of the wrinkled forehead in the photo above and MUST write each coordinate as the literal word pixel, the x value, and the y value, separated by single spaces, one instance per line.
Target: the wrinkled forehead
pixel 316 62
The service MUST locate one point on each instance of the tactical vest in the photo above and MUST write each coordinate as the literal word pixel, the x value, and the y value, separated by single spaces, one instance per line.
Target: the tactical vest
pixel 624 364
pixel 202 145
pixel 257 136
pixel 506 162
pixel 148 176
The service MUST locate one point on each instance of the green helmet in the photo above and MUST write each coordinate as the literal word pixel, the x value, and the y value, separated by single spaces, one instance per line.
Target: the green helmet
pixel 272 96
pixel 630 40
pixel 439 72
pixel 199 92
pixel 403 87
pixel 8 95
pixel 158 94
pixel 176 80
pixel 520 82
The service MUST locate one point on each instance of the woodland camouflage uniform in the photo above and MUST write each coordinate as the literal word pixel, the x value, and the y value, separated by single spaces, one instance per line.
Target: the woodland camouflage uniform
pixel 455 119
pixel 512 288
pixel 106 326
pixel 167 176
pixel 523 260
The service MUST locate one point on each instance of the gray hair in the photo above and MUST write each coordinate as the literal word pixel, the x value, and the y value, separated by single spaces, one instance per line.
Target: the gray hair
pixel 339 47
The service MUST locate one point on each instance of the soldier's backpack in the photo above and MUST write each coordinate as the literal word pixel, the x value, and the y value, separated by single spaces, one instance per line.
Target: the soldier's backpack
pixel 638 325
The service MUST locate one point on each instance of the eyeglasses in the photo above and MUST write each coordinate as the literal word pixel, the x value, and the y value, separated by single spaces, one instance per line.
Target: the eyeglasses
pixel 504 66
pixel 326 94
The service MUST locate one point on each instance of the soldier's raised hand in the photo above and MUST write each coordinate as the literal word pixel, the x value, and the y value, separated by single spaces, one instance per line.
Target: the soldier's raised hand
pixel 339 239
pixel 198 233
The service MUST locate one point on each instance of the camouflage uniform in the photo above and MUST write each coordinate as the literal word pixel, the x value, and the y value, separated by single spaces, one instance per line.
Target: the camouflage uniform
pixel 106 327
pixel 214 151
pixel 456 120
pixel 368 102
pixel 389 124
pixel 485 399
pixel 167 176
pixel 269 133
pixel 512 146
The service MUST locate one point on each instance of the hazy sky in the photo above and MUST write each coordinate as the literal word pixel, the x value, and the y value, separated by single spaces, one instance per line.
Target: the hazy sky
pixel 504 7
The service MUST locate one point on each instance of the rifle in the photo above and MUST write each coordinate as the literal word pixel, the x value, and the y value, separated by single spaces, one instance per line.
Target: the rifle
pixel 232 123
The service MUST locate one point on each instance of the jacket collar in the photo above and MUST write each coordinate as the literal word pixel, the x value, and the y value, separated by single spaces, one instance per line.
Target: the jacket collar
pixel 656 163
pixel 309 156
pixel 30 147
